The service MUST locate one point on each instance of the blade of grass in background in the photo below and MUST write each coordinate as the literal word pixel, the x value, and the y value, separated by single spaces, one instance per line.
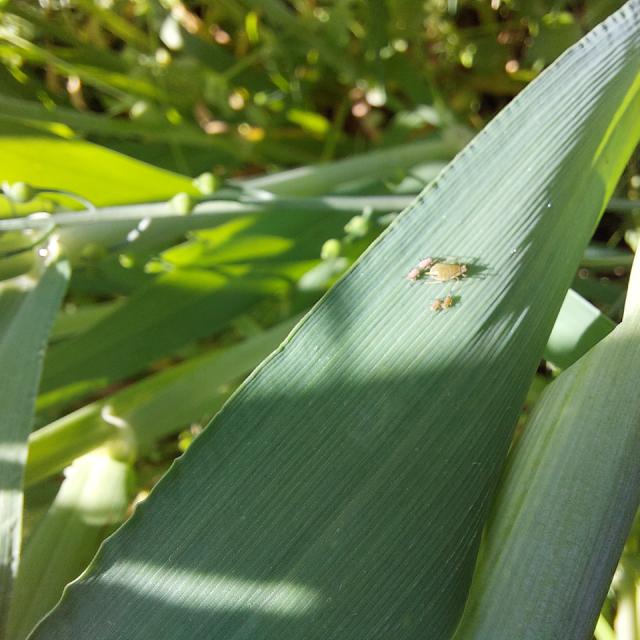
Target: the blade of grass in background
pixel 567 499
pixel 102 176
pixel 341 492
pixel 91 502
pixel 66 121
pixel 183 72
pixel 73 320
pixel 28 304
pixel 110 227
pixel 599 257
pixel 376 165
pixel 579 327
pixel 152 408
pixel 179 307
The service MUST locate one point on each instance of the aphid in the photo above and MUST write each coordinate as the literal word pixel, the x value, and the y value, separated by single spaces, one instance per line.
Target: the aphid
pixel 414 274
pixel 447 302
pixel 444 272
pixel 437 305
pixel 425 264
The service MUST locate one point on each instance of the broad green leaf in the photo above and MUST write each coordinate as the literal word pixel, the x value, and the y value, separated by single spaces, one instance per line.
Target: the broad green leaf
pixel 160 404
pixel 567 502
pixel 102 176
pixel 91 502
pixel 28 304
pixel 341 492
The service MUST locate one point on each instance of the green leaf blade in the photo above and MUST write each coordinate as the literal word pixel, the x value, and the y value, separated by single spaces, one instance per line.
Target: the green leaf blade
pixel 353 471
pixel 92 500
pixel 100 175
pixel 578 327
pixel 28 304
pixel 176 308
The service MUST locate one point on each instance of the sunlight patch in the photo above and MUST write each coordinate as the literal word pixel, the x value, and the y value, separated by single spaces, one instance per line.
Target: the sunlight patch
pixel 196 590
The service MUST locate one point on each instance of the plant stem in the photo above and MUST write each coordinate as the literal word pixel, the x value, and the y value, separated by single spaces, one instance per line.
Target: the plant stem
pixel 112 227
pixel 380 164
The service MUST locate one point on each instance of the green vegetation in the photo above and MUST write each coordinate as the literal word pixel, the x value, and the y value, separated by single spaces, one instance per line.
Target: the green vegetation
pixel 185 183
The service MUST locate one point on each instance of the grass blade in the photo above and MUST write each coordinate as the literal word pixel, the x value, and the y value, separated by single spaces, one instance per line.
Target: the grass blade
pixel 578 327
pixel 110 227
pixel 28 304
pixel 91 502
pixel 98 174
pixel 177 308
pixel 376 165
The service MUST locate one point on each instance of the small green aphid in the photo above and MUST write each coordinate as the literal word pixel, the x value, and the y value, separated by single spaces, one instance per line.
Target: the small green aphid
pixel 444 271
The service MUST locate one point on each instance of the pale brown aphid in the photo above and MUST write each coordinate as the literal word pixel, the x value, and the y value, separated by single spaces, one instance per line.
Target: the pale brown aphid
pixel 447 302
pixel 444 272
pixel 437 305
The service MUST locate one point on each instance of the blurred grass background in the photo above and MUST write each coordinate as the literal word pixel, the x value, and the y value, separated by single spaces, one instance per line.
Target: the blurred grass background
pixel 238 88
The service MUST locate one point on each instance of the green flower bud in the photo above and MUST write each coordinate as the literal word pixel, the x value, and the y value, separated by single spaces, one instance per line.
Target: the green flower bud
pixel 358 226
pixel 206 183
pixel 126 260
pixel 182 203
pixel 331 249
pixel 19 191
